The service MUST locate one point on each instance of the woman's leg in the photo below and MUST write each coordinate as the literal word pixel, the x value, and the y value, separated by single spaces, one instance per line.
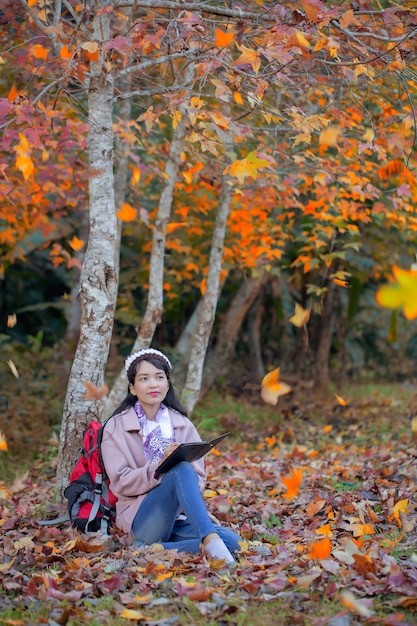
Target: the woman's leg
pixel 183 537
pixel 155 519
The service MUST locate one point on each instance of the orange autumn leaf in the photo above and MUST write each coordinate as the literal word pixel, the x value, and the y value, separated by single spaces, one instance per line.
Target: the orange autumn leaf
pixel 324 530
pixel 93 392
pixel 76 244
pixel 320 549
pixel 272 389
pixel 249 57
pixel 223 38
pixel 340 400
pixel 3 442
pixel 126 213
pixel 392 168
pixel 292 483
pixel 301 316
pixel 39 52
pixel 65 52
pixel 11 320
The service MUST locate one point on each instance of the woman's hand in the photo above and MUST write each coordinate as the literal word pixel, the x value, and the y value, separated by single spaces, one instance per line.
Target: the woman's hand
pixel 169 450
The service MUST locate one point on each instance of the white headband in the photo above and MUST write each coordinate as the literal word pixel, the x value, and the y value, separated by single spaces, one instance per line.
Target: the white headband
pixel 146 352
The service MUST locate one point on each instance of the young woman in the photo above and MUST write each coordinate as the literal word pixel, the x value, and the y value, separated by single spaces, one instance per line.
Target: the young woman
pixel 148 425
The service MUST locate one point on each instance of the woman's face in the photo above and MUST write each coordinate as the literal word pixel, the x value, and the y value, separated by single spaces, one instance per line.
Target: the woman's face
pixel 150 385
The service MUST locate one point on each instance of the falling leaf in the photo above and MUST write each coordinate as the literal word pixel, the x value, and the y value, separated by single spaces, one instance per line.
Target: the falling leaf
pixel 76 244
pixel 223 38
pixel 402 294
pixel 13 368
pixel 320 549
pixel 340 400
pixel 126 213
pixel 292 483
pixel 272 388
pixel 133 614
pixel 11 320
pixel 414 424
pixel 3 442
pixel 301 39
pixel 351 602
pixel 342 282
pixel 329 136
pixel 301 316
pixel 39 52
pixel 93 392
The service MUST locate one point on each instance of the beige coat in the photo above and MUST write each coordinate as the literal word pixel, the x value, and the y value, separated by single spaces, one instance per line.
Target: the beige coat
pixel 131 477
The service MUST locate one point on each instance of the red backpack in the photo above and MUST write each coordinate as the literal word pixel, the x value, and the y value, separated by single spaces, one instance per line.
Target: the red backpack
pixel 91 503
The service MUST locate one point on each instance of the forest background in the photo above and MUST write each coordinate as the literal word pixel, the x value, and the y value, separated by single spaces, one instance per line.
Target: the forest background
pixel 234 184
pixel 230 184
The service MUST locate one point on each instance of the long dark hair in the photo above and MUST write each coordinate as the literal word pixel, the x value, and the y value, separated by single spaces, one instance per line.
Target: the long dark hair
pixel 170 400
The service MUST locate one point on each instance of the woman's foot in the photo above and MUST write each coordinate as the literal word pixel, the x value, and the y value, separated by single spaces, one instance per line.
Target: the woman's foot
pixel 217 549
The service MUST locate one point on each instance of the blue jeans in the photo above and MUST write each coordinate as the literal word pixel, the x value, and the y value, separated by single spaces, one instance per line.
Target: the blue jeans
pixel 155 521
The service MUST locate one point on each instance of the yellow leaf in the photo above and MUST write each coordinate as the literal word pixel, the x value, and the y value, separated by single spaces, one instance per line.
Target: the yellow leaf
pixel 76 244
pixel 402 294
pixel 13 368
pixel 176 118
pixel 414 424
pixel 400 507
pixel 272 388
pixel 301 316
pixel 126 213
pixel 223 38
pixel 133 614
pixel 237 97
pixel 301 39
pixel 329 136
pixel 350 601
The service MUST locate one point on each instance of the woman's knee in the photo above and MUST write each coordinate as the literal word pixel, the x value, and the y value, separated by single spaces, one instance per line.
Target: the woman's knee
pixel 184 469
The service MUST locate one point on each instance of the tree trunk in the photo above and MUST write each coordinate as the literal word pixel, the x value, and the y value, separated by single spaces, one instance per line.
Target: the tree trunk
pixel 99 278
pixel 321 374
pixel 219 358
pixel 191 390
pixel 154 308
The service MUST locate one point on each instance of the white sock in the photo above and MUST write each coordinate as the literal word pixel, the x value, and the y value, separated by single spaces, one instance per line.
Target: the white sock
pixel 218 550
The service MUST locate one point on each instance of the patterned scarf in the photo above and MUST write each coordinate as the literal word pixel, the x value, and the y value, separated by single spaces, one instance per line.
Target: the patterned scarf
pixel 157 435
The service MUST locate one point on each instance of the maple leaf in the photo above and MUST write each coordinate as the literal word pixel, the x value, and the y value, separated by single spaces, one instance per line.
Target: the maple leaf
pixel 246 167
pixel 223 38
pixel 126 213
pixel 249 57
pixel 403 294
pixel 320 549
pixel 292 483
pixel 76 244
pixel 23 161
pixel 272 388
pixel 93 392
pixel 301 316
pixel 39 52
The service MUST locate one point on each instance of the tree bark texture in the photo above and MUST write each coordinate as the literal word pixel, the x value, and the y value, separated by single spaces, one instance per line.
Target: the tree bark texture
pixel 99 278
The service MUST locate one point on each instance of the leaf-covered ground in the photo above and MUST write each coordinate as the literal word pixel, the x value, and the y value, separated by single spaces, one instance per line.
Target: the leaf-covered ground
pixel 326 506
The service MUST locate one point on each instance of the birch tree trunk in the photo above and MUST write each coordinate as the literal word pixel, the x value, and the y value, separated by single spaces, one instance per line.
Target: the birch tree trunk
pixel 154 308
pixel 99 278
pixel 191 390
